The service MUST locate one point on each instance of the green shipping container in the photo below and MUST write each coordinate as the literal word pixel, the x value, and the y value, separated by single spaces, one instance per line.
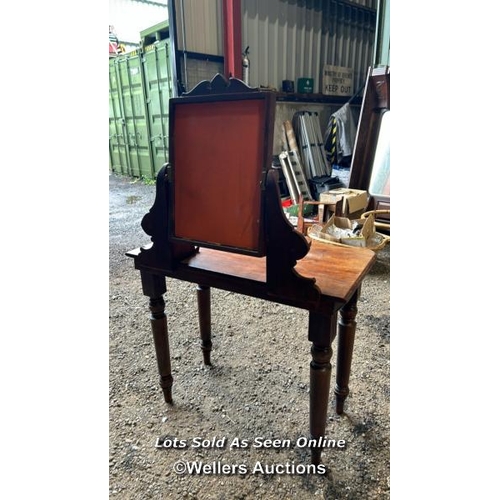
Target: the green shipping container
pixel 118 161
pixel 158 90
pixel 140 86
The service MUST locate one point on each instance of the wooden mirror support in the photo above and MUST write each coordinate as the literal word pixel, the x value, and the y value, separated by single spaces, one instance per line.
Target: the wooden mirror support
pixel 285 246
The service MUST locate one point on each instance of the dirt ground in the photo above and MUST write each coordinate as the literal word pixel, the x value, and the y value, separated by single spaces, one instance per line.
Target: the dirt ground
pixel 256 389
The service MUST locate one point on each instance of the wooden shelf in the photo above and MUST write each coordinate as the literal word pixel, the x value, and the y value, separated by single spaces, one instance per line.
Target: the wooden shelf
pixel 320 98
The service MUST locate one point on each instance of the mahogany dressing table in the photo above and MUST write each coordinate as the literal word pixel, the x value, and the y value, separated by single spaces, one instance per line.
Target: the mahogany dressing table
pixel 217 221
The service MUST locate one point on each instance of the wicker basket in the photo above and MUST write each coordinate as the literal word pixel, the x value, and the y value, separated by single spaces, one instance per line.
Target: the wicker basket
pixel 318 233
pixel 380 225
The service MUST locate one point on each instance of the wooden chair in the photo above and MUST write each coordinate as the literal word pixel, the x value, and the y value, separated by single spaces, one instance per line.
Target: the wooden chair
pixel 217 221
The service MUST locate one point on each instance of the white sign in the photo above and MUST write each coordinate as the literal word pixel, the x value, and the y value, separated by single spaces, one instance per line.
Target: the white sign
pixel 337 80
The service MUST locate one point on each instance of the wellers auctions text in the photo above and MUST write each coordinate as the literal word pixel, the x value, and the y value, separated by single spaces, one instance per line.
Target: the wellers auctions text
pixel 223 468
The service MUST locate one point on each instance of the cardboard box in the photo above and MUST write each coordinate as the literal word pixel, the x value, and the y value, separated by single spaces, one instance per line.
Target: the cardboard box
pixel 337 80
pixel 343 202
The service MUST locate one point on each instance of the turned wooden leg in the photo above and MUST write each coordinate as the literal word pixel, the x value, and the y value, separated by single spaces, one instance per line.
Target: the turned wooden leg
pixel 204 318
pixel 321 334
pixel 154 286
pixel 347 329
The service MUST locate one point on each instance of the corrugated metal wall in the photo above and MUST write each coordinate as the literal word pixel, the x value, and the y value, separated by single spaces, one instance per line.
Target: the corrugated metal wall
pixel 199 41
pixel 383 43
pixel 200 26
pixel 290 39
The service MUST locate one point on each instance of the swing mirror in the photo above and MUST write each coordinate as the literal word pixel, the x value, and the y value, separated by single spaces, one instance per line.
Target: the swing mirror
pixel 380 177
pixel 220 151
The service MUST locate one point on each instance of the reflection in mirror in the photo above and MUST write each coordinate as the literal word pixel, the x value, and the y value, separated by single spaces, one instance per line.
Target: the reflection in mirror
pixel 380 182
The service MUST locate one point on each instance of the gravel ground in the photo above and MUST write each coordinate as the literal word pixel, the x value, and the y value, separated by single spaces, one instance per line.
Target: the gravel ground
pixel 256 389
